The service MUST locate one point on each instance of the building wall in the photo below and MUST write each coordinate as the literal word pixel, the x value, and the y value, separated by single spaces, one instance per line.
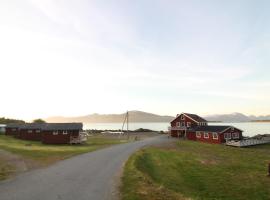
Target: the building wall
pixel 231 131
pixel 9 131
pixel 24 134
pixel 210 139
pixel 191 135
pixel 174 133
pixel 60 138
pixel 185 120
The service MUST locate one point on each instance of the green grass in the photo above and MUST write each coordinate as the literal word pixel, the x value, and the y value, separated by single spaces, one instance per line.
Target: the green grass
pixel 194 170
pixel 5 169
pixel 42 152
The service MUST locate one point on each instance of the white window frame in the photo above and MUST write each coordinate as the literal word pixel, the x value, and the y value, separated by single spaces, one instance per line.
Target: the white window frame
pixel 65 132
pixel 204 135
pixel 178 124
pixel 182 117
pixel 226 136
pixel 215 136
pixel 55 132
pixel 182 123
pixel 198 134
pixel 37 131
pixel 29 131
pixel 188 124
pixel 235 135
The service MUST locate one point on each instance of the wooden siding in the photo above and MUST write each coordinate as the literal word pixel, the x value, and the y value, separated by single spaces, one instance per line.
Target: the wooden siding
pixel 185 121
pixel 10 131
pixel 34 135
pixel 210 139
pixel 60 138
pixel 231 131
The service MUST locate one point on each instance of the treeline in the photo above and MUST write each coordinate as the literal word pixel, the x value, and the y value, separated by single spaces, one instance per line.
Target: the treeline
pixel 4 120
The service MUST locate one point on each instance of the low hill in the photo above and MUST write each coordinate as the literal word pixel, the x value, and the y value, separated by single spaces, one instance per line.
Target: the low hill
pixel 134 116
pixel 237 117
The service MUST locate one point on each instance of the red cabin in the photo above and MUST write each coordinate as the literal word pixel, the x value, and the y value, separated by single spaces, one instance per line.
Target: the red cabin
pixel 194 127
pixel 48 133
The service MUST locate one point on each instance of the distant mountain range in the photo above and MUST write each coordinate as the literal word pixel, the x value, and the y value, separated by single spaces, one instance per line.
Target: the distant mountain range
pixel 236 117
pixel 139 116
pixel 134 116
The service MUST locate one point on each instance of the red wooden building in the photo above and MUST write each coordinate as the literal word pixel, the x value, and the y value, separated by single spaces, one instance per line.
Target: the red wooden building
pixel 13 129
pixel 194 127
pixel 63 133
pixel 48 133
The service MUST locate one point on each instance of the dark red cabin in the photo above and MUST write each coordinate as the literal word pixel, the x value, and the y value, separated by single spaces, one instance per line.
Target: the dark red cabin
pixel 48 133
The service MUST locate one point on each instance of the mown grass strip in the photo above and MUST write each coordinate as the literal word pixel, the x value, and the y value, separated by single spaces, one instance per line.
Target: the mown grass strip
pixel 199 171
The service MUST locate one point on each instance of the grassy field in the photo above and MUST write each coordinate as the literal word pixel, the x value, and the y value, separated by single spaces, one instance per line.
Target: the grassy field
pixel 36 154
pixel 193 170
pixel 5 169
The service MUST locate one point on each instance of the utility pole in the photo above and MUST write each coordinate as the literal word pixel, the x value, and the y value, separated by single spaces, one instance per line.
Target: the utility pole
pixel 125 121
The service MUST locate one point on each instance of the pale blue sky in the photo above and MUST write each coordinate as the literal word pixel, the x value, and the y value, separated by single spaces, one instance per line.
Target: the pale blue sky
pixel 79 57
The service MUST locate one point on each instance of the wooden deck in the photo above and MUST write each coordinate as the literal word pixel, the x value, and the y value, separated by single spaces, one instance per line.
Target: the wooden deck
pixel 247 142
pixel 80 139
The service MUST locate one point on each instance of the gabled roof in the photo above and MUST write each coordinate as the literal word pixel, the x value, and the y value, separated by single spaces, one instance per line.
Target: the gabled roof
pixel 14 125
pixel 63 126
pixel 218 129
pixel 194 117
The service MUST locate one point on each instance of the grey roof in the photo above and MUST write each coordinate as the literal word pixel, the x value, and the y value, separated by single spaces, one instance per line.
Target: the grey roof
pixel 63 126
pixel 195 117
pixel 217 129
pixel 32 126
pixel 48 126
pixel 14 125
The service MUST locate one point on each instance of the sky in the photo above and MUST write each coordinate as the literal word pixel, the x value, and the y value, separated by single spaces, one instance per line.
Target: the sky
pixel 72 58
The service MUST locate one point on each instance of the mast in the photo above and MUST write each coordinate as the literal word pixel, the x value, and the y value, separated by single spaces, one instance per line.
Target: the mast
pixel 125 121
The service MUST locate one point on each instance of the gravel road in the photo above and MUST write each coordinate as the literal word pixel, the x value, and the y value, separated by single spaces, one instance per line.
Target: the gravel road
pixel 90 176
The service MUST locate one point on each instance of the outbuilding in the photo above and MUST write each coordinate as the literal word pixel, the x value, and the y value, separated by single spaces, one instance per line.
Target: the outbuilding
pixel 63 133
pixel 48 133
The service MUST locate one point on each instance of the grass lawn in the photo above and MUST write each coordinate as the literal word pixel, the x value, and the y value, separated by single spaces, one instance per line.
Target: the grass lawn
pixel 5 169
pixel 194 170
pixel 38 154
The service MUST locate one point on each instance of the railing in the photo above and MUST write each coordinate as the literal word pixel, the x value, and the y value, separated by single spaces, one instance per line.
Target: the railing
pixel 247 142
pixel 176 128
pixel 79 139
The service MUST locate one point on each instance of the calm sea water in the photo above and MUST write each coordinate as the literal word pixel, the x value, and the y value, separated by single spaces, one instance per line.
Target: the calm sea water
pixel 249 128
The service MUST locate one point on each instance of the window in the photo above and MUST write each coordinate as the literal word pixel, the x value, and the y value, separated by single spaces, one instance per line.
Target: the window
pixel 215 136
pixel 65 132
pixel 30 131
pixel 55 133
pixel 227 136
pixel 206 135
pixel 188 124
pixel 178 124
pixel 37 131
pixel 183 124
pixel 182 117
pixel 235 135
pixel 198 134
pixel 14 129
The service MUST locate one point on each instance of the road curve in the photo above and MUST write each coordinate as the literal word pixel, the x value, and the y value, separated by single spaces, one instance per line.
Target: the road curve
pixel 90 176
